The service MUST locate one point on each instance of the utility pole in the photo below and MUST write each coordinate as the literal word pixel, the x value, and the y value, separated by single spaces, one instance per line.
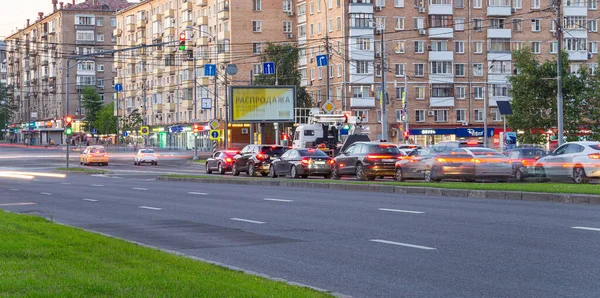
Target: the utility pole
pixel 383 97
pixel 559 94
pixel 216 77
pixel 405 107
pixel 327 49
pixel 67 107
pixel 195 108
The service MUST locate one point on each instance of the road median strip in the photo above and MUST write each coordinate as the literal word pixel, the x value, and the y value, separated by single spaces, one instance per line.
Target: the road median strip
pixel 548 192
pixel 82 171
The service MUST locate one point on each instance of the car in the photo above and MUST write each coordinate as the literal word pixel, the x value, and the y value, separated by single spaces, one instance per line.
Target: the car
pixel 432 166
pixel 415 165
pixel 220 161
pixel 367 160
pixel 254 159
pixel 407 148
pixel 93 155
pixel 523 160
pixel 489 163
pixel 302 163
pixel 450 145
pixel 146 156
pixel 578 161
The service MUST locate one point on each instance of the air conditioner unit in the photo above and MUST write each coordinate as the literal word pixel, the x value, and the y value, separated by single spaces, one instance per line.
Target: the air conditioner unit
pixel 377 31
pixel 394 132
pixel 589 55
pixel 377 8
pixel 312 59
pixel 377 55
pixel 465 123
pixel 513 10
pixel 421 9
pixel 430 113
pixel 290 35
pixel 422 31
pixel 429 48
pixel 290 13
pixel 554 33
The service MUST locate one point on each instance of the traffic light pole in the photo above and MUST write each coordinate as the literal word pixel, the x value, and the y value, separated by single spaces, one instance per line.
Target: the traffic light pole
pixel 195 109
pixel 67 109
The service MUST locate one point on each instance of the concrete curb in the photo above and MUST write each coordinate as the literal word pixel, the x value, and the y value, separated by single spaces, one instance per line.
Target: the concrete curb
pixel 81 173
pixel 399 189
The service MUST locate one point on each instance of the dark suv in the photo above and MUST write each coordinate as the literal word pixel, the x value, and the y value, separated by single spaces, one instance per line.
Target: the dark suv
pixel 255 159
pixel 367 160
pixel 523 160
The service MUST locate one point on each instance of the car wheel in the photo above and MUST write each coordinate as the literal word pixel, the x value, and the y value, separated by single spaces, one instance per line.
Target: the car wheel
pixel 540 172
pixel 579 176
pixel 272 172
pixel 519 175
pixel 234 170
pixel 434 176
pixel 251 172
pixel 335 173
pixel 304 176
pixel 360 172
pixel 327 176
pixel 293 172
pixel 221 169
pixel 467 180
pixel 156 163
pixel 399 177
pixel 371 178
pixel 208 170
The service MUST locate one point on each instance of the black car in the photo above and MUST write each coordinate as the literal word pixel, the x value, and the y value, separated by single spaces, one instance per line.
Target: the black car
pixel 255 159
pixel 302 163
pixel 523 160
pixel 220 161
pixel 367 160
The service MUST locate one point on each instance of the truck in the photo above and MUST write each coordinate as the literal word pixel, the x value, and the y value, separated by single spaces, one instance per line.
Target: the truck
pixel 327 132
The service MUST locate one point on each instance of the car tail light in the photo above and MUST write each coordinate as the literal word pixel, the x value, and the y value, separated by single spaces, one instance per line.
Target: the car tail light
pixel 373 156
pixel 261 156
pixel 524 162
pixel 594 156
pixel 331 161
pixel 306 161
pixel 475 160
pixel 105 155
pixel 228 159
pixel 440 160
pixel 472 142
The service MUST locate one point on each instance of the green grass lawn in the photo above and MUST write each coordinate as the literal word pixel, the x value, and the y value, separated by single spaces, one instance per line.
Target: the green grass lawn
pixel 547 187
pixel 43 259
pixel 83 170
pixel 200 161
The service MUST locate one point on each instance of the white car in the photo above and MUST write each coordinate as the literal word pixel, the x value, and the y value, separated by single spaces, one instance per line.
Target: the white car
pixel 489 163
pixel 146 156
pixel 575 160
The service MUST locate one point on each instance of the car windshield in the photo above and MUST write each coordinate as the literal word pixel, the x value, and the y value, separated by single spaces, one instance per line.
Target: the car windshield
pixel 312 153
pixel 384 148
pixel 275 150
pixel 97 151
pixel 147 151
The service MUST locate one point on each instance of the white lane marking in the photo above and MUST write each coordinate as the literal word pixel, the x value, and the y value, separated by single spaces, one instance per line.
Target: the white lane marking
pixel 97 185
pixel 197 193
pixel 277 200
pixel 66 183
pixel 90 200
pixel 151 208
pixel 14 189
pixel 36 180
pixel 46 193
pixel 402 244
pixel 401 211
pixel 587 228
pixel 247 220
pixel 18 204
pixel 140 188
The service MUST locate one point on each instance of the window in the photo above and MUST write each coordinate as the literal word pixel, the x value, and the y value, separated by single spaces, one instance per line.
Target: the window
pixel 256 4
pixel 380 23
pixel 460 69
pixel 459 24
pixel 496 114
pixel 287 6
pixel 461 115
pixel 517 25
pixel 478 92
pixel 535 4
pixel 85 20
pixel 478 115
pixel 86 66
pixel 442 90
pixel 312 74
pixel 398 3
pixel 498 90
pixel 400 46
pixel 419 70
pixel 100 22
pixel 338 23
pixel 477 25
pixel 399 91
pixel 459 47
pixel 593 47
pixel 593 25
pixel 319 31
pixel 113 22
pixel 85 35
pixel 419 46
pixel 592 68
pixel 592 4
pixel 362 67
pixel 419 23
pixel 420 92
pixel 536 25
pixel 100 67
pixel 459 3
pixel 360 91
pixel 499 45
pixel 440 21
pixel 400 70
pixel 439 45
pixel 440 67
pixel 575 68
pixel 518 4
pixel 575 44
pixel 361 20
pixel 554 47
pixel 100 37
pixel 399 117
pixel 460 92
pixel 535 47
pixel 441 115
pixel 363 115
pixel 257 47
pixel 477 3
pixel 320 74
pixel 100 82
pixel 287 26
pixel 478 47
pixel 500 67
pixel 399 21
pixel 339 70
pixel 256 26
pixel 363 44
pixel 497 23
pixel 420 115
pixel 516 45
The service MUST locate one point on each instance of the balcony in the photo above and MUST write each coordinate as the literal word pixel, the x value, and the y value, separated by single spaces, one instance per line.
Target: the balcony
pixel 499 56
pixel 140 24
pixel 130 27
pixel 224 57
pixel 501 8
pixel 187 64
pixel 444 33
pixel 440 7
pixel 157 18
pixel 224 35
pixel 223 14
pixel 362 102
pixel 169 107
pixel 360 7
pixel 440 102
pixel 169 13
pixel 44 61
pixel 169 69
pixel 493 101
pixel 130 93
pixel 576 33
pixel 188 23
pixel 187 84
pixel 201 2
pixel 203 81
pixel 157 89
pixel 187 5
pixel 158 108
pixel 441 56
pixel 203 20
pixel 575 10
pixel 440 78
pixel 171 32
pixel 157 53
pixel 499 33
pixel 157 72
pixel 187 104
pixel 202 41
pixel 581 55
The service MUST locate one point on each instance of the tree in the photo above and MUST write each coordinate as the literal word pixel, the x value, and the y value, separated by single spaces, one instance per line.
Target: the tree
pixel 132 121
pixel 92 103
pixel 7 105
pixel 590 103
pixel 106 121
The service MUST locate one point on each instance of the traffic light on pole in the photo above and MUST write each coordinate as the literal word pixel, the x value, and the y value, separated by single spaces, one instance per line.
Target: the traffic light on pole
pixel 197 129
pixel 182 39
pixel 68 122
pixel 405 134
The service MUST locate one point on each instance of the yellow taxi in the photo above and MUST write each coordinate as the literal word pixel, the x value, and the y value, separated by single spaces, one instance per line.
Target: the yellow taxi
pixel 94 154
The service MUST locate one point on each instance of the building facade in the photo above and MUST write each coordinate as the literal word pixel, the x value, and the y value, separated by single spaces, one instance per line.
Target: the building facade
pixel 37 65
pixel 3 62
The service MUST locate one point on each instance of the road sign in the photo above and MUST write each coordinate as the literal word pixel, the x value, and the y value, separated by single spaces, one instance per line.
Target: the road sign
pixel 206 103
pixel 125 134
pixel 231 69
pixel 328 107
pixel 214 134
pixel 210 70
pixel 144 130
pixel 322 60
pixel 269 68
pixel 94 131
pixel 214 124
pixel 118 87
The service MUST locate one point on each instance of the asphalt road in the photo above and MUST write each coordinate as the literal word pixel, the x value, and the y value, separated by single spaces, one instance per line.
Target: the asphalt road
pixel 359 244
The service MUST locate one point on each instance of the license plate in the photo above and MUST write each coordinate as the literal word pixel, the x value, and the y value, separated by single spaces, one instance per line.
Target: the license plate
pixel 319 162
pixel 388 160
pixel 265 167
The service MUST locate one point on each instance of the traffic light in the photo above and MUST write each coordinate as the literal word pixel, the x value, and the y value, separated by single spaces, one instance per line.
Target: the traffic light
pixel 182 39
pixel 68 122
pixel 197 129
pixel 346 117
pixel 405 134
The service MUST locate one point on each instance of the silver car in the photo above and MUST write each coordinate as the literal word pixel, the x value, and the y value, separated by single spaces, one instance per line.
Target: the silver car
pixel 579 161
pixel 489 163
pixel 146 156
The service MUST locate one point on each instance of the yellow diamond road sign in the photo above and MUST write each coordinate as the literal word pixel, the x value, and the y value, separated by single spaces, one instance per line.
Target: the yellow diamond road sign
pixel 214 124
pixel 144 130
pixel 328 107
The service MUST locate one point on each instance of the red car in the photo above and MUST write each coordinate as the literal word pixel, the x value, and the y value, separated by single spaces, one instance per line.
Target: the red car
pixel 220 161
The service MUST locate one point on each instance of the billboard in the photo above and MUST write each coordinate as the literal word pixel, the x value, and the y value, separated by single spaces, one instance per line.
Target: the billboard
pixel 260 104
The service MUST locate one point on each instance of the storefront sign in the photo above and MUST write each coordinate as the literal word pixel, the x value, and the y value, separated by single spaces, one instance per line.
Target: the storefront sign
pixel 459 132
pixel 239 125
pixel 158 129
pixel 473 132
pixel 431 131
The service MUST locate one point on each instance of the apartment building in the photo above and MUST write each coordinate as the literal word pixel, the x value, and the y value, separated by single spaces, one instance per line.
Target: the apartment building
pixel 447 57
pixel 3 62
pixel 37 62
pixel 158 80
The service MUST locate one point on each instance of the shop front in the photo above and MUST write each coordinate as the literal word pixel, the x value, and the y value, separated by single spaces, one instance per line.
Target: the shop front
pixel 432 136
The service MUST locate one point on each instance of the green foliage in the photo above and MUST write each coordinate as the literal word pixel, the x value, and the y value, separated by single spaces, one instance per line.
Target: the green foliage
pixel 106 121
pixel 132 122
pixel 7 104
pixel 92 103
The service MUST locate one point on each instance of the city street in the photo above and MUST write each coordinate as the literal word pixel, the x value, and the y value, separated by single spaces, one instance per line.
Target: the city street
pixel 354 243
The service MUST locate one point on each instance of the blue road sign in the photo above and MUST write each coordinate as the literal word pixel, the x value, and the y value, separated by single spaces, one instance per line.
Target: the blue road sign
pixel 322 60
pixel 94 131
pixel 125 134
pixel 210 70
pixel 269 68
pixel 118 87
